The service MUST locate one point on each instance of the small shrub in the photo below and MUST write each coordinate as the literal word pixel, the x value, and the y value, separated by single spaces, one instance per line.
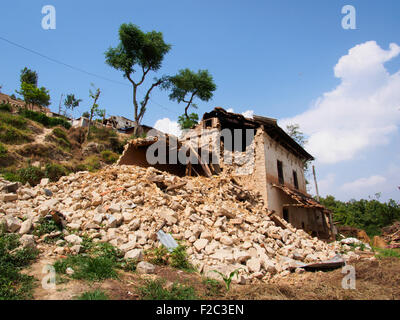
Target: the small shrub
pixel 179 259
pixel 15 121
pixel 93 295
pixel 154 290
pixel 5 107
pixel 109 157
pixel 158 256
pixel 45 226
pixel 55 171
pixel 30 174
pixel 116 145
pixel 3 150
pixel 92 163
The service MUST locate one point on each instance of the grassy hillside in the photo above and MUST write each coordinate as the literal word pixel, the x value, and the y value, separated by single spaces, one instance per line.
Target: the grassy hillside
pixel 34 146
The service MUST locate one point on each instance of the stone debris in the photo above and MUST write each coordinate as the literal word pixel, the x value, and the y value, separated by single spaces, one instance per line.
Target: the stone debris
pixel 223 226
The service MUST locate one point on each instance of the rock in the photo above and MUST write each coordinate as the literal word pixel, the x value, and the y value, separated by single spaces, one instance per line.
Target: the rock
pixel 69 271
pixel 27 241
pixel 241 256
pixel 226 240
pixel 74 239
pixel 253 265
pixel 48 192
pixel 299 270
pixel 144 267
pixel 59 250
pixel 135 254
pixel 200 244
pixel 25 226
pixel 127 246
pixel 11 187
pixel 44 182
pixel 13 224
pixel 9 197
pixel 115 208
pixel 76 249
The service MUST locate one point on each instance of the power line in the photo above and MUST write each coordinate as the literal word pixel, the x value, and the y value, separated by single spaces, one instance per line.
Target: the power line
pixel 76 68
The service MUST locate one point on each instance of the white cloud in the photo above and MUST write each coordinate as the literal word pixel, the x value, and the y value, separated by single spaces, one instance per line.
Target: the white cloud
pixel 168 126
pixel 247 114
pixel 360 113
pixel 364 183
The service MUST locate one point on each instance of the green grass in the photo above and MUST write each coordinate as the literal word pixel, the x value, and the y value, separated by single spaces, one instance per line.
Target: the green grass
pixel 154 290
pixel 179 259
pixel 43 119
pixel 93 295
pixel 213 287
pixel 158 256
pixel 387 253
pixel 45 226
pixel 13 284
pixel 109 157
pixel 92 163
pixel 98 261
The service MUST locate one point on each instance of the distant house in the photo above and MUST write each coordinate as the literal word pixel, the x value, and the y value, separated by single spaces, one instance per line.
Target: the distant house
pixel 80 122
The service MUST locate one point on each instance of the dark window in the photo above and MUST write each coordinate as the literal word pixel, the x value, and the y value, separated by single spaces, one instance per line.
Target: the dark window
pixel 280 172
pixel 286 214
pixel 208 123
pixel 295 181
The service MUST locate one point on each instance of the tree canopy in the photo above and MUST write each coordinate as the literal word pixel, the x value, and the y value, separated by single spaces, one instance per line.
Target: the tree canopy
pixel 29 76
pixel 138 52
pixel 35 96
pixel 188 85
pixel 188 122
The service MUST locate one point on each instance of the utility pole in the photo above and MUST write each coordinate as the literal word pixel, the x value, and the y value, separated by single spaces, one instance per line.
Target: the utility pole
pixel 315 181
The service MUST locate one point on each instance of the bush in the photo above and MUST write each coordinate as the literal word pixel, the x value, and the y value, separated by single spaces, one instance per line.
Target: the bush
pixel 43 119
pixel 154 290
pixel 5 107
pixel 13 120
pixel 31 174
pixel 179 259
pixel 55 171
pixel 11 135
pixel 116 145
pixel 109 157
pixel 3 150
pixel 92 163
pixel 45 226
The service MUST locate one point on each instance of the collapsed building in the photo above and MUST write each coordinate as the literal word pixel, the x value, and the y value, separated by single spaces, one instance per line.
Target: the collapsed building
pixel 258 154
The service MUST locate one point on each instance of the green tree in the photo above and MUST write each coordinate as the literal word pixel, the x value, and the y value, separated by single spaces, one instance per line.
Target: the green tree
pixel 34 96
pixel 71 102
pixel 188 122
pixel 188 85
pixel 29 76
pixel 142 53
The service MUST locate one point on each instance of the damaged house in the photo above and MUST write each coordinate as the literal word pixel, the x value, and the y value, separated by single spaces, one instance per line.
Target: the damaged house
pixel 256 153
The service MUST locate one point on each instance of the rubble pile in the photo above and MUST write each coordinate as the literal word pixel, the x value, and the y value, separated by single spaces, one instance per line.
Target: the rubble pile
pixel 391 235
pixel 224 226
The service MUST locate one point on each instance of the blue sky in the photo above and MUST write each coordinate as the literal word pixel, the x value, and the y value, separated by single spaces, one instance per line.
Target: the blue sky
pixel 275 58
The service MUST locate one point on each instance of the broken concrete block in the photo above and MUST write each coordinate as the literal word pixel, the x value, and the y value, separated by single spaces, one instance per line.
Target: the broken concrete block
pixel 200 244
pixel 144 267
pixel 9 197
pixel 25 226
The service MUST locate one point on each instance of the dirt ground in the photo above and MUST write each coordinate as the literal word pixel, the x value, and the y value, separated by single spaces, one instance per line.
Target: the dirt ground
pixel 375 280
